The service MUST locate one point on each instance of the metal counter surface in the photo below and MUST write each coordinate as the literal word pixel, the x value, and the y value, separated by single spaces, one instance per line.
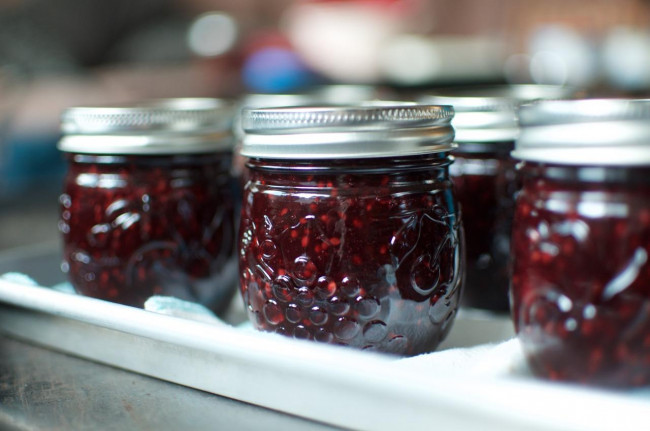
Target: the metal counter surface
pixel 44 390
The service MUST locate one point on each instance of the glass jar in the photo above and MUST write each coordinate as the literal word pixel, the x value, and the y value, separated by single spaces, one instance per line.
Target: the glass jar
pixel 486 182
pixel 581 238
pixel 350 232
pixel 147 206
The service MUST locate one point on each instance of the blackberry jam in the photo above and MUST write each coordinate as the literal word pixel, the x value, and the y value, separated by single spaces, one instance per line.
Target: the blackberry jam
pixel 147 207
pixel 581 239
pixel 345 237
pixel 486 182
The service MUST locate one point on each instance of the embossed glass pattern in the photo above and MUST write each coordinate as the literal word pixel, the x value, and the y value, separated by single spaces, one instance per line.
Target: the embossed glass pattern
pixel 137 226
pixel 581 279
pixel 363 252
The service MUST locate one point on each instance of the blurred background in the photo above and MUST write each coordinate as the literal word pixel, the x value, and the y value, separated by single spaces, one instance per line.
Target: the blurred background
pixel 59 53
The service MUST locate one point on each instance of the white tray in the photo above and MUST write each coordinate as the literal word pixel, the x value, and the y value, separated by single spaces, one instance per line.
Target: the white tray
pixel 334 385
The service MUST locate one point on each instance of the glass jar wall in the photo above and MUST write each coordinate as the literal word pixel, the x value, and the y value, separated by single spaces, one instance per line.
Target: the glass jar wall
pixel 147 206
pixel 486 182
pixel 345 237
pixel 581 238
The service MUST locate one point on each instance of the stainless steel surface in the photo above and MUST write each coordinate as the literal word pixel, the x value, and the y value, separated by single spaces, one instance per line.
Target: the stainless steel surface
pixel 489 114
pixel 167 126
pixel 41 389
pixel 376 130
pixel 612 132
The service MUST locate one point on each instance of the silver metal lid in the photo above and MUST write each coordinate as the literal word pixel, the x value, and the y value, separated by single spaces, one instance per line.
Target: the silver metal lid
pixel 165 126
pixel 489 114
pixel 376 130
pixel 325 95
pixel 266 100
pixel 613 132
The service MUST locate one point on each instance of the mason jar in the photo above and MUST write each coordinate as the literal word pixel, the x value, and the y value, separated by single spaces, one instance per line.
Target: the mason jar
pixel 350 231
pixel 486 182
pixel 581 239
pixel 147 206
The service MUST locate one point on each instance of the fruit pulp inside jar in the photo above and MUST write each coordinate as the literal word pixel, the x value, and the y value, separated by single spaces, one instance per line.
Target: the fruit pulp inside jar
pixel 486 184
pixel 581 277
pixel 363 252
pixel 137 226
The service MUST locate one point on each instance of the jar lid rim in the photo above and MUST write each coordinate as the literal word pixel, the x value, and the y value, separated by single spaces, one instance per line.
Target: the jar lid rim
pixel 497 97
pixel 373 114
pixel 586 131
pixel 379 129
pixel 147 144
pixel 551 112
pixel 157 126
pixel 489 113
pixel 193 114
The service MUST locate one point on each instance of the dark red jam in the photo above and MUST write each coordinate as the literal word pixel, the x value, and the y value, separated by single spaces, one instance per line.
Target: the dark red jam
pixel 485 180
pixel 364 252
pixel 136 226
pixel 581 277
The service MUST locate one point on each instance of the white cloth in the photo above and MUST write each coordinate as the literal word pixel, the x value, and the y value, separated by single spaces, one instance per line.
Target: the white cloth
pixel 485 360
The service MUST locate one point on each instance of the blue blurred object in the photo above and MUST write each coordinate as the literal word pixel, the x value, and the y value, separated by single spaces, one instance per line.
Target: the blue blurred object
pixel 276 70
pixel 29 161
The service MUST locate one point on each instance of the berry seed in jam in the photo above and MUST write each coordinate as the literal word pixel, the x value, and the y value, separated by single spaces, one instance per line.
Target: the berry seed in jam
pixel 359 251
